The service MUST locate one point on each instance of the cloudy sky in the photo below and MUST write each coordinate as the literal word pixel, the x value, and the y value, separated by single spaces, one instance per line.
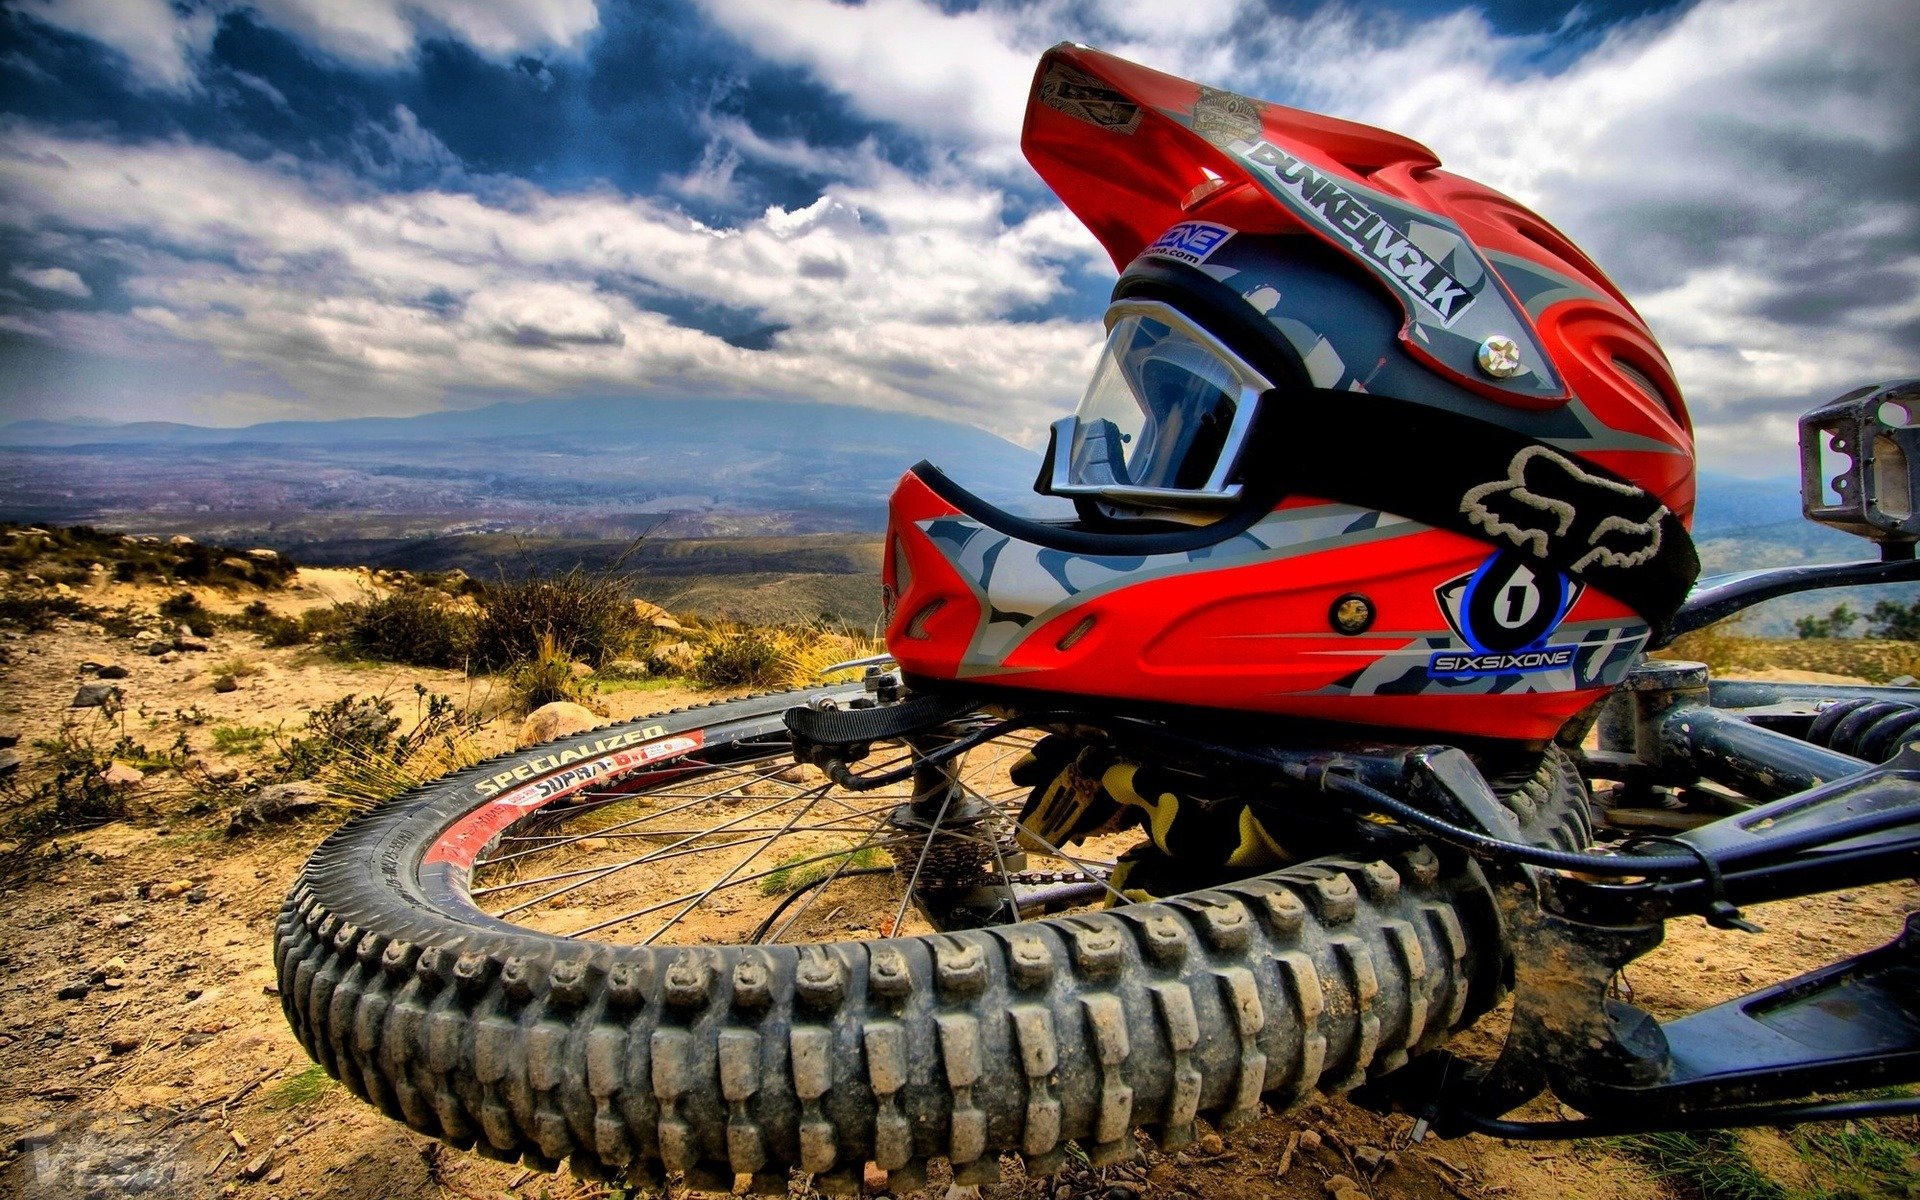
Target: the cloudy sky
pixel 225 211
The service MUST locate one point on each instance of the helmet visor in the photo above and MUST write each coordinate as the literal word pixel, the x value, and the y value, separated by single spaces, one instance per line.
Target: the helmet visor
pixel 1165 417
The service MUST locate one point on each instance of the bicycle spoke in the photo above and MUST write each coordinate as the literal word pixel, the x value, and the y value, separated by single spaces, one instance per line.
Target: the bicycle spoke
pixel 731 872
pixel 569 864
pixel 645 858
pixel 926 845
pixel 673 900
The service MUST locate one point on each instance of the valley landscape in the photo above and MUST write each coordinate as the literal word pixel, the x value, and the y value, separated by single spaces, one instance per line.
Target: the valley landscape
pixel 777 519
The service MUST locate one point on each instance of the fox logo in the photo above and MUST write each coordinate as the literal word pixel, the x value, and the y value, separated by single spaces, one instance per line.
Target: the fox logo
pixel 1547 500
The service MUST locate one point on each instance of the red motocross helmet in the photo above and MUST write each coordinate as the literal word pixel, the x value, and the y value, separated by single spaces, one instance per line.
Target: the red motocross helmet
pixel 1369 442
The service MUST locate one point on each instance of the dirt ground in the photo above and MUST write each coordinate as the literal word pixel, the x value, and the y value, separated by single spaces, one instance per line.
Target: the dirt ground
pixel 142 1048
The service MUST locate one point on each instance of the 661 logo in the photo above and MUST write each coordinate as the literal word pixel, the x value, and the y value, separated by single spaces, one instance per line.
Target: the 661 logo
pixel 1504 612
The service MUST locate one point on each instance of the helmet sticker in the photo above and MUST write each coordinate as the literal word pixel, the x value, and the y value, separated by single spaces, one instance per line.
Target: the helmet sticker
pixel 1509 603
pixel 1505 611
pixel 1338 210
pixel 1022 586
pixel 1451 298
pixel 1546 498
pixel 1190 242
pixel 1087 99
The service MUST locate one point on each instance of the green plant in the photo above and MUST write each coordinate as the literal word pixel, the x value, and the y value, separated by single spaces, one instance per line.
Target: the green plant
pixel 240 739
pixel 1900 622
pixel 299 1090
pixel 1709 1166
pixel 62 790
pixel 794 872
pixel 239 666
pixel 588 613
pixel 1858 1160
pixel 1837 623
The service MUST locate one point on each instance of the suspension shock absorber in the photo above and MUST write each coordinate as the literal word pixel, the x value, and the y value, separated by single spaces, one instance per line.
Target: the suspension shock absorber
pixel 1874 730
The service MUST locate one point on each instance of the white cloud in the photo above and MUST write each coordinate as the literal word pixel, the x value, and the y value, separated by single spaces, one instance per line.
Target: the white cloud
pixel 960 76
pixel 383 33
pixel 895 293
pixel 1743 168
pixel 158 41
pixel 54 279
pixel 161 39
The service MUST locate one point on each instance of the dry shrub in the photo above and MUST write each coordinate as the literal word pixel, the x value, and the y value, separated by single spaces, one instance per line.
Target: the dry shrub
pixel 547 677
pixel 774 656
pixel 356 748
pixel 586 615
pixel 419 626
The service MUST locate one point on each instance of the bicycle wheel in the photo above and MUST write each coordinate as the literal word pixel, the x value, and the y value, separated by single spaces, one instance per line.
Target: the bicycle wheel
pixel 661 946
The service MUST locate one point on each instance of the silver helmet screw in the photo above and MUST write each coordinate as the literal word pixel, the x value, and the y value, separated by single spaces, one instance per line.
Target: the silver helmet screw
pixel 1499 356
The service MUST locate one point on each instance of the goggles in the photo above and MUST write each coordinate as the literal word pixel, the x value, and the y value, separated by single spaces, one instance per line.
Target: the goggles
pixel 1164 421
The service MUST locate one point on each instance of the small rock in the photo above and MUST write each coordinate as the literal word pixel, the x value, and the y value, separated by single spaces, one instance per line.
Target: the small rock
pixel 673 658
pixel 556 720
pixel 257 1167
pixel 167 891
pixel 225 683
pixel 73 991
pixel 1336 1184
pixel 170 656
pixel 281 802
pixel 124 1044
pixel 54 1032
pixel 119 774
pixel 1369 1157
pixel 193 993
pixel 96 695
pixel 197 896
pixel 179 539
pixel 9 762
pixel 121 920
pixel 1163 1176
pixel 580 670
pixel 112 671
pixel 276 1175
pixel 194 645
pixel 1210 1145
pixel 262 554
pixel 1309 1139
pixel 873 1180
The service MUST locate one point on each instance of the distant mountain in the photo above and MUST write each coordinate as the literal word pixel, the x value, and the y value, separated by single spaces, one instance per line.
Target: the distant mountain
pixel 802 467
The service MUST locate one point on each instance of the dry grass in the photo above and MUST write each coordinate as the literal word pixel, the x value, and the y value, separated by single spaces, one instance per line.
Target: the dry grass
pixel 1727 650
pixel 733 655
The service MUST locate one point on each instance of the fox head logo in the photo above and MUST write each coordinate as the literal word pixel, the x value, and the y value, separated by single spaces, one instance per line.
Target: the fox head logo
pixel 1546 500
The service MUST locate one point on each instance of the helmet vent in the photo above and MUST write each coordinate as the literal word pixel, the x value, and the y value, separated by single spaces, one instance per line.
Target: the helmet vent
pixel 917 626
pixel 1645 383
pixel 1075 634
